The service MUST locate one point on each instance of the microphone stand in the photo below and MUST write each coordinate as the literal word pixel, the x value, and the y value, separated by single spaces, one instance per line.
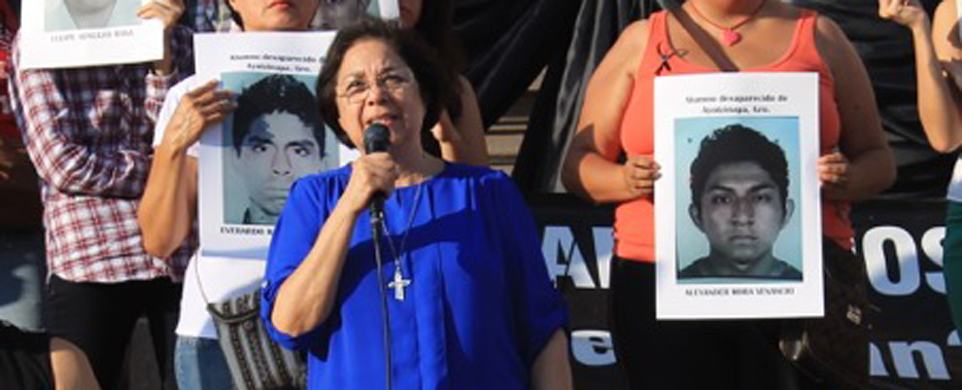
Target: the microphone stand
pixel 377 219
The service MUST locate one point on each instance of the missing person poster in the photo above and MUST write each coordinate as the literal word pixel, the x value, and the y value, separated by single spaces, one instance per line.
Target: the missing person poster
pixel 738 223
pixel 274 137
pixel 76 33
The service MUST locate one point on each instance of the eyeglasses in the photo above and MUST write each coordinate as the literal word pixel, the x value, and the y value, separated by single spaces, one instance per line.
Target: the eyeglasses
pixel 393 82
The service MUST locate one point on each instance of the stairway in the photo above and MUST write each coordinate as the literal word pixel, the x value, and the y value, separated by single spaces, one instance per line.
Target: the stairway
pixel 505 136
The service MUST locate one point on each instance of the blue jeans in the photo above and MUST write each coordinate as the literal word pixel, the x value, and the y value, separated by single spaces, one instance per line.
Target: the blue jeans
pixel 22 270
pixel 199 365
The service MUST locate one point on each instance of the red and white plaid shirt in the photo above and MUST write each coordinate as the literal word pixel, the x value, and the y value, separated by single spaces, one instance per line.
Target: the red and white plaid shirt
pixel 88 132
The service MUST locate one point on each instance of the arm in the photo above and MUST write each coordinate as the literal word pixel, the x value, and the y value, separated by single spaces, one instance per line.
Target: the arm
pixel 541 311
pixel 169 205
pixel 56 131
pixel 552 370
pixel 55 135
pixel 863 166
pixel 463 141
pixel 178 54
pixel 307 297
pixel 590 170
pixel 937 98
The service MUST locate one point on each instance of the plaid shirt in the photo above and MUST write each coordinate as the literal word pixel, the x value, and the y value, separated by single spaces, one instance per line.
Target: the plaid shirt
pixel 88 132
pixel 210 16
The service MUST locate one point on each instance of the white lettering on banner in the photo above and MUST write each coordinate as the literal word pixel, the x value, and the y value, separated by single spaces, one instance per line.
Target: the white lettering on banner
pixel 876 366
pixel 592 347
pixel 907 258
pixel 563 256
pixel 932 247
pixel 903 354
pixel 604 247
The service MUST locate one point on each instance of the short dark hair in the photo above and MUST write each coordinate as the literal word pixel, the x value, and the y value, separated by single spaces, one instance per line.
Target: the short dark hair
pixel 733 144
pixel 276 93
pixel 233 14
pixel 433 83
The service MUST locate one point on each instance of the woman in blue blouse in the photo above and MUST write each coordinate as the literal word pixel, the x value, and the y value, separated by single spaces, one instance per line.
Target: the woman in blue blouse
pixel 470 301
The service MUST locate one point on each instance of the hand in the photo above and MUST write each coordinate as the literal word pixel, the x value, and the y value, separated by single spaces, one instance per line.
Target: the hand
pixel 444 130
pixel 640 173
pixel 204 106
pixel 371 173
pixel 833 170
pixel 908 13
pixel 167 11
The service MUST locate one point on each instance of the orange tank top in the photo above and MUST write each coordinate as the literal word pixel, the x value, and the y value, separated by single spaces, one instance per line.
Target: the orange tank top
pixel 634 220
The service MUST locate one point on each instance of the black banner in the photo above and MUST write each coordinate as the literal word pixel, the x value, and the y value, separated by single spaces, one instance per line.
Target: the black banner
pixel 913 344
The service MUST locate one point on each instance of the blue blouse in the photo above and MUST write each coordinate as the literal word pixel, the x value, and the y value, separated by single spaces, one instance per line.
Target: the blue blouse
pixel 480 306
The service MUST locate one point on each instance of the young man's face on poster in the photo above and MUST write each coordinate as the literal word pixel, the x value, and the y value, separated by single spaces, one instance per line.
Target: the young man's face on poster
pixel 741 213
pixel 278 148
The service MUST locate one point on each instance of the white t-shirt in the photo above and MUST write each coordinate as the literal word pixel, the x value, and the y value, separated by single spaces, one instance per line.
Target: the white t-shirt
pixel 220 277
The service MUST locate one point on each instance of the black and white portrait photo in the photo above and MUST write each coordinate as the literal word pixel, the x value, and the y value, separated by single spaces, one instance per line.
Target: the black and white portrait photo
pixel 739 201
pixel 736 201
pixel 65 15
pixel 275 137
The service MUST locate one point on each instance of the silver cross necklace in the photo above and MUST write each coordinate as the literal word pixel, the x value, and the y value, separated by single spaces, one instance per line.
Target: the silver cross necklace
pixel 399 283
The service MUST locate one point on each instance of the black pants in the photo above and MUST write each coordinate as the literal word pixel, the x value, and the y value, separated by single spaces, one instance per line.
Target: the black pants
pixel 24 359
pixel 100 318
pixel 691 355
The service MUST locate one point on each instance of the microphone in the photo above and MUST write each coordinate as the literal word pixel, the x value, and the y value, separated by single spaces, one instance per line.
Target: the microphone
pixel 377 138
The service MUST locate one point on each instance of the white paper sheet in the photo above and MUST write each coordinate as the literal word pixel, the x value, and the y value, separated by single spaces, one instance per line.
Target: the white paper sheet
pixel 739 227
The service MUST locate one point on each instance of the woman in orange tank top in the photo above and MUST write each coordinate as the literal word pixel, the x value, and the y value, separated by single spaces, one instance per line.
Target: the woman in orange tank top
pixel 610 161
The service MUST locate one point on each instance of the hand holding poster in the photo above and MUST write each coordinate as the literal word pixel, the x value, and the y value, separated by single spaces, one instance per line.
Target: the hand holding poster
pixel 75 33
pixel 737 224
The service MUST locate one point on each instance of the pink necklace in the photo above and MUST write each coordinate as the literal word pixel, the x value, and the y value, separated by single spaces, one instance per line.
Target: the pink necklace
pixel 728 34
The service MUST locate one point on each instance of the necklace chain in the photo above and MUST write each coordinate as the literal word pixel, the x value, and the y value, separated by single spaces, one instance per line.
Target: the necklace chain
pixel 399 283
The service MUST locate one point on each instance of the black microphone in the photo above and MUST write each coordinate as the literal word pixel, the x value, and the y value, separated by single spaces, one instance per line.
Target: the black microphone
pixel 377 138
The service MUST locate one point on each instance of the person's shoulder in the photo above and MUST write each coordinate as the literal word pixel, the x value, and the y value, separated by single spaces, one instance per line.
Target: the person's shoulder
pixel 323 181
pixel 787 271
pixel 635 36
pixel 948 8
pixel 465 171
pixel 945 18
pixel 336 174
pixel 829 36
pixel 827 27
pixel 695 269
pixel 481 179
